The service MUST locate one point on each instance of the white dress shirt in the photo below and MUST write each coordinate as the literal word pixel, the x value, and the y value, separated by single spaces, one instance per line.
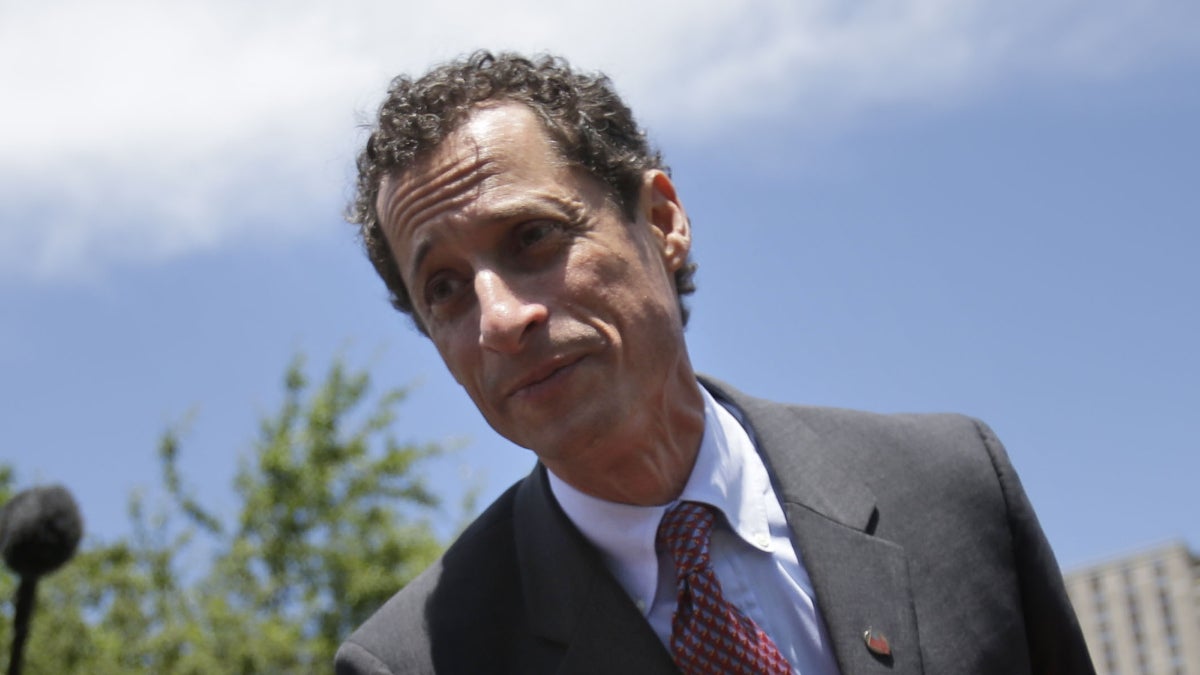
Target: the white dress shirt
pixel 751 548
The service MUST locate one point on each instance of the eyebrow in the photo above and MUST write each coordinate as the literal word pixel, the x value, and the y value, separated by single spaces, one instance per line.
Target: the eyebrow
pixel 529 206
pixel 419 256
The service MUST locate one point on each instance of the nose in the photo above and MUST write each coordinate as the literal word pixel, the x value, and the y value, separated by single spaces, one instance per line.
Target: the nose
pixel 505 317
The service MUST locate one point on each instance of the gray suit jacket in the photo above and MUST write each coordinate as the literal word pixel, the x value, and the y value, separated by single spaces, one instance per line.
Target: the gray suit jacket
pixel 913 526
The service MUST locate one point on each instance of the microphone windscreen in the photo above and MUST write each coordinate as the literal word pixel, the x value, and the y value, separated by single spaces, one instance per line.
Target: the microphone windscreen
pixel 40 530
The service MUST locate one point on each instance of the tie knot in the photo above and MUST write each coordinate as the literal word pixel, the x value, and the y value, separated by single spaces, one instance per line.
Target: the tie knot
pixel 684 532
pixel 709 634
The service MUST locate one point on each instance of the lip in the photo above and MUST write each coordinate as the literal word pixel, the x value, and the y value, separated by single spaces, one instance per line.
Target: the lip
pixel 542 374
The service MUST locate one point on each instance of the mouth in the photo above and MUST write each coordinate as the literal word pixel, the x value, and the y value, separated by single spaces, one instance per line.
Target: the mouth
pixel 543 376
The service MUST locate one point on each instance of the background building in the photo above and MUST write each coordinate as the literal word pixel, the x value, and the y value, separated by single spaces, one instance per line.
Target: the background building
pixel 1140 613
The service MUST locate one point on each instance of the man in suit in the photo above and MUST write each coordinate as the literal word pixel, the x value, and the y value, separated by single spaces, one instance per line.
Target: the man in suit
pixel 672 524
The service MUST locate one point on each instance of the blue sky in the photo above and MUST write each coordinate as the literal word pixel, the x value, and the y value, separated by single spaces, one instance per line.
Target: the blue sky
pixel 912 206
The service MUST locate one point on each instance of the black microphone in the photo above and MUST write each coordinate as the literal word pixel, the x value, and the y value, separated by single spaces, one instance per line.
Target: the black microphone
pixel 40 529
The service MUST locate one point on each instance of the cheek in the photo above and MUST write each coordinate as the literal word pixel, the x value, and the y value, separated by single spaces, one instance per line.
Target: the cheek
pixel 458 355
pixel 602 272
pixel 632 286
pixel 599 293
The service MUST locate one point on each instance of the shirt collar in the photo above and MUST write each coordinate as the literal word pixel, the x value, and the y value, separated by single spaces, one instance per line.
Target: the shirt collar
pixel 728 475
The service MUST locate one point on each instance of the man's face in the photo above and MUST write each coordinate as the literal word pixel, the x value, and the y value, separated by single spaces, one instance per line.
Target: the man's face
pixel 555 312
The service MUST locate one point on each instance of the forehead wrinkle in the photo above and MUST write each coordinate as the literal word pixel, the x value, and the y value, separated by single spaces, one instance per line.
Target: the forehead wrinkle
pixel 454 177
pixel 451 187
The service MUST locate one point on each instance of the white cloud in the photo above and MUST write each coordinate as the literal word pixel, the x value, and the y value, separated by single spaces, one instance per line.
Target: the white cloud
pixel 135 131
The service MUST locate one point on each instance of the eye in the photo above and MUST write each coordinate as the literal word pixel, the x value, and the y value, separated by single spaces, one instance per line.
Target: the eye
pixel 535 232
pixel 441 288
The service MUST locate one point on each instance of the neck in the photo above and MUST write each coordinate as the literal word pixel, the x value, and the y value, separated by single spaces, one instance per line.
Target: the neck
pixel 648 461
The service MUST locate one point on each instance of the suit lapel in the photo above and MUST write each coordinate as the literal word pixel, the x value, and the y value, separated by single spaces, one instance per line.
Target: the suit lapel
pixel 861 581
pixel 861 584
pixel 572 600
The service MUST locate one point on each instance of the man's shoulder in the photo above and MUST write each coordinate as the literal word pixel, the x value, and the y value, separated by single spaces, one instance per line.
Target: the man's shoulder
pixel 887 451
pixel 846 425
pixel 471 583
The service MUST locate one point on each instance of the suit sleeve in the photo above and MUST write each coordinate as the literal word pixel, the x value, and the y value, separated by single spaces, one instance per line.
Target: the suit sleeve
pixel 1056 644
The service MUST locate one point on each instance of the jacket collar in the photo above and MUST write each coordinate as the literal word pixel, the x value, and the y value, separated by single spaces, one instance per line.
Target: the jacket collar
pixel 802 473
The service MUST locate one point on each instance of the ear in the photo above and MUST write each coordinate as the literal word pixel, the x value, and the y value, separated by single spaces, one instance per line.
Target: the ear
pixel 667 219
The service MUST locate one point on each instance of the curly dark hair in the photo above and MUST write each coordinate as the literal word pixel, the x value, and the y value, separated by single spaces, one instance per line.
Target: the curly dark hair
pixel 581 112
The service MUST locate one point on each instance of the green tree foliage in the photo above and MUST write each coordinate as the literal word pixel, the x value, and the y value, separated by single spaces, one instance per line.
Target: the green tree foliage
pixel 332 521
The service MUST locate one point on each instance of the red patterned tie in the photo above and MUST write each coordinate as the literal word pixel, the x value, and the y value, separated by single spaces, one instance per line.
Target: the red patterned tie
pixel 708 634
